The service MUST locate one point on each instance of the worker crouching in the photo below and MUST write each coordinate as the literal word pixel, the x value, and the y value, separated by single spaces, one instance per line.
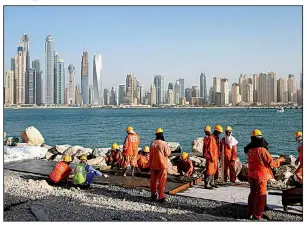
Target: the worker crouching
pixel 114 160
pixel 212 157
pixel 185 165
pixel 229 150
pixel 260 162
pixel 158 160
pixel 84 174
pixel 61 171
pixel 299 171
pixel 143 160
pixel 131 147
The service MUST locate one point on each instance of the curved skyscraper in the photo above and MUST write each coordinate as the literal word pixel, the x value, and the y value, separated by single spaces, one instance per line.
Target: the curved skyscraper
pixel 71 85
pixel 84 78
pixel 49 70
pixel 97 78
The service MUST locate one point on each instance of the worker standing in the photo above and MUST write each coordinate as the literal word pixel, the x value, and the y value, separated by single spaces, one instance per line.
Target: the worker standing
pixel 158 160
pixel 131 147
pixel 207 130
pixel 260 162
pixel 185 165
pixel 229 148
pixel 115 156
pixel 143 159
pixel 212 156
pixel 61 170
pixel 299 171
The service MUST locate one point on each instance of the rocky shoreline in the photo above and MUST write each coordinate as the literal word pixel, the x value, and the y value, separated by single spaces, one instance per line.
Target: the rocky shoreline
pixel 22 191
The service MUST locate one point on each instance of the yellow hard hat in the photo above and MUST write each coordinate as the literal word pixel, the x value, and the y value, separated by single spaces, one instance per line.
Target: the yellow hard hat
pixel 146 149
pixel 298 134
pixel 184 155
pixel 229 128
pixel 83 157
pixel 159 130
pixel 67 158
pixel 207 128
pixel 256 133
pixel 114 146
pixel 129 129
pixel 218 128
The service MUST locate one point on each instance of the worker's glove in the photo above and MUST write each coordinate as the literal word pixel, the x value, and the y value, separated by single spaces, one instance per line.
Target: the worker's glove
pixel 297 161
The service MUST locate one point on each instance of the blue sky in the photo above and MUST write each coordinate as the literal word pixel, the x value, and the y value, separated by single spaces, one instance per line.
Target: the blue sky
pixel 175 41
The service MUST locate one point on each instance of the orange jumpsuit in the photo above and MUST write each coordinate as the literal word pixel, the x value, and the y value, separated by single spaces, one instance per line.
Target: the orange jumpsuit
pixel 114 157
pixel 299 170
pixel 130 147
pixel 205 146
pixel 230 156
pixel 60 172
pixel 259 172
pixel 185 166
pixel 211 155
pixel 158 160
pixel 143 162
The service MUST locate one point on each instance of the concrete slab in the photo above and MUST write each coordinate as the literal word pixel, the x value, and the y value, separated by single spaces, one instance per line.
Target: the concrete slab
pixel 235 194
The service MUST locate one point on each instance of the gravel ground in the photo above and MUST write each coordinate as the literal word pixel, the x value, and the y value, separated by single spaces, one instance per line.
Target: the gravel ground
pixel 110 203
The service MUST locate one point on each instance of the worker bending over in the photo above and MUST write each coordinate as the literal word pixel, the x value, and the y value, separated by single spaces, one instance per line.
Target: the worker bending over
pixel 185 165
pixel 299 171
pixel 131 147
pixel 143 160
pixel 229 148
pixel 212 156
pixel 158 160
pixel 260 162
pixel 61 171
pixel 115 156
pixel 84 173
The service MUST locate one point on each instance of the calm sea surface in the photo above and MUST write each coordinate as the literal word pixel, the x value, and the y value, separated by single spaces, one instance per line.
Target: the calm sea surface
pixel 102 127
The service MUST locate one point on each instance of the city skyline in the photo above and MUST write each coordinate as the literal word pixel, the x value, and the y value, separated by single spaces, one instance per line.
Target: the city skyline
pixel 280 37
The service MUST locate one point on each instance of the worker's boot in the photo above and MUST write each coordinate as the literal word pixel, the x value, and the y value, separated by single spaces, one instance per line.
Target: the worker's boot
pixel 212 182
pixel 207 182
pixel 132 171
pixel 125 172
pixel 154 197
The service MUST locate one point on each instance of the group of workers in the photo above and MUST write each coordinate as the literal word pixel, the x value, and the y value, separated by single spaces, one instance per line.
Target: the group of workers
pixel 154 159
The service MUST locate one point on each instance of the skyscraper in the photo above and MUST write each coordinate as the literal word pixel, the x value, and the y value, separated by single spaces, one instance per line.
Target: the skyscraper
pixel 224 92
pixel 153 95
pixel 181 82
pixel 97 78
pixel 60 82
pixel 255 86
pixel 55 79
pixel 121 93
pixel 170 96
pixel 106 96
pixel 49 70
pixel 84 77
pixel 78 96
pixel 272 87
pixel 195 91
pixel 91 94
pixel 13 64
pixel 177 92
pixel 188 94
pixel 216 87
pixel 131 90
pixel 243 81
pixel 292 89
pixel 20 72
pixel 114 97
pixel 9 88
pixel 26 40
pixel 36 65
pixel 159 84
pixel 170 86
pixel 71 85
pixel 282 90
pixel 263 89
pixel 235 91
pixel 31 84
pixel 203 87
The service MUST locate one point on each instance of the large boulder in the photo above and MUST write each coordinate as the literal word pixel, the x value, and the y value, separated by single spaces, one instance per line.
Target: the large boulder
pixel 16 153
pixel 197 145
pixel 11 141
pixel 198 161
pixel 72 151
pixel 99 161
pixel 175 147
pixel 100 152
pixel 58 158
pixel 61 148
pixel 172 170
pixel 290 160
pixel 238 166
pixel 32 136
pixel 51 154
pixel 47 146
pixel 283 172
pixel 243 175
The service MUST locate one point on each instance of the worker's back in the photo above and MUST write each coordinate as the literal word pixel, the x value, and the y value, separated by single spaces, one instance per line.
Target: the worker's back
pixel 131 144
pixel 159 152
pixel 58 171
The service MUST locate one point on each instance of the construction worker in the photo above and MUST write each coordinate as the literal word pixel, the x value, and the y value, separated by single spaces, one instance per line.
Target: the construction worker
pixel 185 165
pixel 212 156
pixel 115 156
pixel 84 173
pixel 158 160
pixel 260 162
pixel 61 170
pixel 207 130
pixel 143 159
pixel 299 171
pixel 229 149
pixel 131 147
